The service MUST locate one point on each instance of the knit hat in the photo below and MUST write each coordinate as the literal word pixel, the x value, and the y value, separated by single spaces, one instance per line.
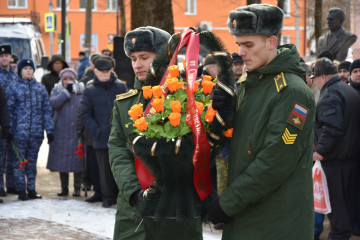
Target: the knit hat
pixel 5 48
pixel 145 39
pixel 354 64
pixel 323 66
pixel 67 72
pixel 344 65
pixel 25 62
pixel 256 19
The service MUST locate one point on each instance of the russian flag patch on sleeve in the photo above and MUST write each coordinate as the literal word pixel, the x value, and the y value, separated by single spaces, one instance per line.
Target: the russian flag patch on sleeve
pixel 298 115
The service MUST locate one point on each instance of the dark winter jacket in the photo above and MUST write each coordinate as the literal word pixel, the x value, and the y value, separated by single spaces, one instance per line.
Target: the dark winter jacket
pixel 49 80
pixel 96 108
pixel 29 109
pixel 337 125
pixel 89 75
pixel 355 85
pixel 84 63
pixel 62 155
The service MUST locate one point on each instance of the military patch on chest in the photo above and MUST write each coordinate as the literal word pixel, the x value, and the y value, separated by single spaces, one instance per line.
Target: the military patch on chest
pixel 288 138
pixel 297 116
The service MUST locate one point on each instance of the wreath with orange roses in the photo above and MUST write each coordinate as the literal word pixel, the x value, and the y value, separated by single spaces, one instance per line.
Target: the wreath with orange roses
pixel 169 121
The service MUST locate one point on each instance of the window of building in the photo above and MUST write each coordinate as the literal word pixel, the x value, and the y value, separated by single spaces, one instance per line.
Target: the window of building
pixel 17 3
pixel 83 4
pixel 111 5
pixel 190 7
pixel 285 39
pixel 287 9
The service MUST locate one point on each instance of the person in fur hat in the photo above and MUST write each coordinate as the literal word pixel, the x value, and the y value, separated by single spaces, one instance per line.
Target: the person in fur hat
pixel 141 46
pixel 65 101
pixel 270 192
pixel 30 114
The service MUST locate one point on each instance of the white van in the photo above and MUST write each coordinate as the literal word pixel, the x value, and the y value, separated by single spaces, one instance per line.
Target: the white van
pixel 25 40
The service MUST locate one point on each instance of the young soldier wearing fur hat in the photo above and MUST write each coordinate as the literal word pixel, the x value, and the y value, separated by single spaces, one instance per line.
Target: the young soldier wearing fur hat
pixel 270 193
pixel 140 46
pixel 30 114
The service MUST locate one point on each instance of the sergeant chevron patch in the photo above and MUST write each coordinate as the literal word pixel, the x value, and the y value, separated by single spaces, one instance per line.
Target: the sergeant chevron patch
pixel 288 138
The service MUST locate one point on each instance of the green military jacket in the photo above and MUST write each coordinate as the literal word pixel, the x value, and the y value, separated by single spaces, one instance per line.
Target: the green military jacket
pixel 270 194
pixel 127 226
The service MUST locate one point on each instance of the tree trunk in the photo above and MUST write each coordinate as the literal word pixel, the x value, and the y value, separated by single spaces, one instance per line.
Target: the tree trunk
pixel 318 23
pixel 88 27
pixel 122 18
pixel 156 13
pixel 281 6
pixel 248 2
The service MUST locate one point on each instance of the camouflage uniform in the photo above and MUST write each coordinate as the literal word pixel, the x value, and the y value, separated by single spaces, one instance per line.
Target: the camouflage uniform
pixel 6 77
pixel 30 113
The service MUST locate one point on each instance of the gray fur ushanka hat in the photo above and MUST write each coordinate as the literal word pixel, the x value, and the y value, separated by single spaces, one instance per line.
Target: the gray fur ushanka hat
pixel 256 19
pixel 145 39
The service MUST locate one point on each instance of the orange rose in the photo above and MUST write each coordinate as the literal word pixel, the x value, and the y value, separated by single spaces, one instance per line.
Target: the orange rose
pixel 157 91
pixel 200 107
pixel 158 104
pixel 141 124
pixel 196 86
pixel 174 70
pixel 174 119
pixel 207 78
pixel 207 86
pixel 136 111
pixel 228 133
pixel 180 85
pixel 210 114
pixel 184 63
pixel 172 84
pixel 147 92
pixel 176 106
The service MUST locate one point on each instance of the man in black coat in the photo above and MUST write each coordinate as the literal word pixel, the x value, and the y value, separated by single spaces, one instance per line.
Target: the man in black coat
pixel 56 64
pixel 95 113
pixel 336 143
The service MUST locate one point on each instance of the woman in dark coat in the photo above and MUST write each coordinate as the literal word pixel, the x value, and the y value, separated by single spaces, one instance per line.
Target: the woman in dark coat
pixel 65 99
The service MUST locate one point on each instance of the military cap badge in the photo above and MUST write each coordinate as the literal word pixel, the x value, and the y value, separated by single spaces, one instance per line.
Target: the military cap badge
pixel 133 40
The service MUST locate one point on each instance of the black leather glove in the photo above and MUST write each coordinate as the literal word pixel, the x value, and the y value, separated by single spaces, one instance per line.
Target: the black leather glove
pixel 136 197
pixel 216 214
pixel 219 98
pixel 69 88
pixel 50 137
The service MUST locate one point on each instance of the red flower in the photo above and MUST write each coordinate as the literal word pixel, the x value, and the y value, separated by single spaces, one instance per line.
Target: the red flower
pixel 79 152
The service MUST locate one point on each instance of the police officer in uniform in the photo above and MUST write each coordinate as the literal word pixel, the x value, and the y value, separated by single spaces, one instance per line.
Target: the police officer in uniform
pixel 269 194
pixel 140 46
pixel 7 75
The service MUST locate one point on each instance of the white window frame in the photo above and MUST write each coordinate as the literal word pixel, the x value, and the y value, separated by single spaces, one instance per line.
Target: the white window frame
pixel 17 5
pixel 285 39
pixel 112 2
pixel 94 5
pixel 287 8
pixel 188 11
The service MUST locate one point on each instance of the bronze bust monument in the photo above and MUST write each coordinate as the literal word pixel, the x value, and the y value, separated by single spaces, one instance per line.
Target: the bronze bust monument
pixel 338 40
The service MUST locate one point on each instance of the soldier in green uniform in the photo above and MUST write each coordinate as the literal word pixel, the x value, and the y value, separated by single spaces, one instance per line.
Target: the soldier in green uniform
pixel 269 193
pixel 141 46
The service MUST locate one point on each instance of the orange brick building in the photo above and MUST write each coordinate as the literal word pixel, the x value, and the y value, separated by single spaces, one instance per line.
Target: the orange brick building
pixel 210 14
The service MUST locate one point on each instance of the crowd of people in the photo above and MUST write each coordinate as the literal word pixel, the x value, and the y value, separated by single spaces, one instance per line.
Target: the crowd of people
pixel 285 114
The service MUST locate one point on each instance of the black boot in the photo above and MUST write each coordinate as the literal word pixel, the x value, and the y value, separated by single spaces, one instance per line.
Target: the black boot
pixel 1 201
pixel 33 194
pixel 63 192
pixel 94 198
pixel 76 192
pixel 11 190
pixel 64 179
pixel 2 193
pixel 23 196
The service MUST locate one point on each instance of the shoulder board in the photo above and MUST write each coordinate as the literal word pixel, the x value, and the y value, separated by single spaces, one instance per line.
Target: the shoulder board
pixel 280 82
pixel 242 78
pixel 127 94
